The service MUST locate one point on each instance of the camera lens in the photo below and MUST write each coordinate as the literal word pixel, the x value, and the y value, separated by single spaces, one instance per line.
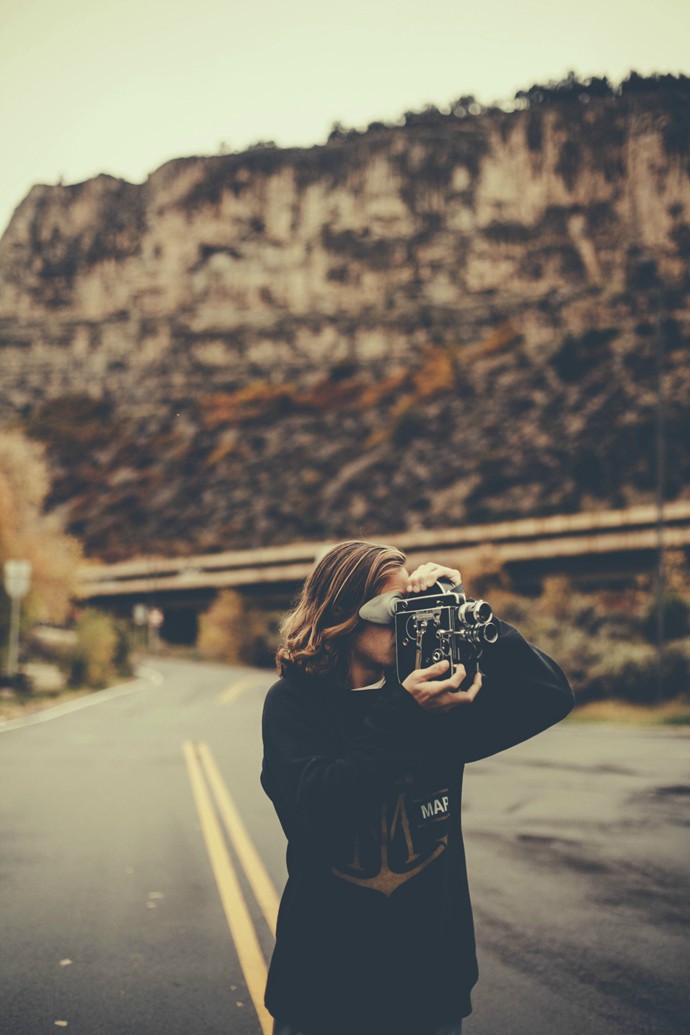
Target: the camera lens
pixel 490 631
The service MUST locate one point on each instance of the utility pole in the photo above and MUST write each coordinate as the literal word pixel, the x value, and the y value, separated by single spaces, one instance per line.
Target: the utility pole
pixel 660 453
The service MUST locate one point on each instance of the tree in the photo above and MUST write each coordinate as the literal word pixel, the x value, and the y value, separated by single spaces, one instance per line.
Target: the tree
pixel 27 532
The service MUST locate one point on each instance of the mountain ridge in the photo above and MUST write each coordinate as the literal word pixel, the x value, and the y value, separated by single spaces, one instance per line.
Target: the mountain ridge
pixel 464 314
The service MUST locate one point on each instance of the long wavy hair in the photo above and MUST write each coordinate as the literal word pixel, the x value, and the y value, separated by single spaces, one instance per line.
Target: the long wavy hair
pixel 317 635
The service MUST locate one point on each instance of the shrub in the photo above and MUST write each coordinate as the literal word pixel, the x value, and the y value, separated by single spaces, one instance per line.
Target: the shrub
pixel 94 662
pixel 630 671
pixel 124 647
pixel 626 671
pixel 676 618
pixel 235 632
pixel 27 532
pixel 597 638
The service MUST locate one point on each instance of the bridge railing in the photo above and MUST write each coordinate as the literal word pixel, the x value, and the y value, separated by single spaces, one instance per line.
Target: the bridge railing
pixel 563 535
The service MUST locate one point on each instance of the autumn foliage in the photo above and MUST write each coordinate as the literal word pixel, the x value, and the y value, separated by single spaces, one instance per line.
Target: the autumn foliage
pixel 27 532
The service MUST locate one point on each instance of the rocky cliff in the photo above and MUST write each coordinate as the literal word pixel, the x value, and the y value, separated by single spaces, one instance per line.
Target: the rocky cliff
pixel 452 319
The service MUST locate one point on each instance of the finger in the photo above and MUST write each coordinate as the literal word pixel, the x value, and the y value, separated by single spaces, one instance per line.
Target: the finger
pixel 442 687
pixel 451 684
pixel 421 578
pixel 458 676
pixel 426 675
pixel 422 675
pixel 449 573
pixel 422 678
pixel 446 700
pixel 436 687
pixel 465 696
pixel 454 680
pixel 427 574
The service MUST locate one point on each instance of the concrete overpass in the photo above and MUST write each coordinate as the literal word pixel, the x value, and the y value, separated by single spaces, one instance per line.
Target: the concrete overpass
pixel 599 546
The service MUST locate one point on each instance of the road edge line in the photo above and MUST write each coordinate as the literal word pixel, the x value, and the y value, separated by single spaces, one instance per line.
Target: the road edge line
pixel 56 711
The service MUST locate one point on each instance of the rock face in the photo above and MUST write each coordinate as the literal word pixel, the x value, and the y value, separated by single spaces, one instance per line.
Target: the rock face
pixel 461 313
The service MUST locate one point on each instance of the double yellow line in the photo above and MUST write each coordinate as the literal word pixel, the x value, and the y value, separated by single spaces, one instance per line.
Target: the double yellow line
pixel 208 789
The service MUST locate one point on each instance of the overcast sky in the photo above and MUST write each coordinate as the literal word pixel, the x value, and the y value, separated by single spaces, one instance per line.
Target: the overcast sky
pixel 121 86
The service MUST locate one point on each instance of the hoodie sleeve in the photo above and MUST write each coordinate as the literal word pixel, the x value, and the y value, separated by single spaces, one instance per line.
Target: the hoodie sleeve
pixel 320 786
pixel 523 692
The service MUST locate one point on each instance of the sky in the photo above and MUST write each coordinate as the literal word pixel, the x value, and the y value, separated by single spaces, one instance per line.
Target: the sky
pixel 122 86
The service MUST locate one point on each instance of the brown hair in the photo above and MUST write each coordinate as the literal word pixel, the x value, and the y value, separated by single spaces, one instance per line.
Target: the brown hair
pixel 317 634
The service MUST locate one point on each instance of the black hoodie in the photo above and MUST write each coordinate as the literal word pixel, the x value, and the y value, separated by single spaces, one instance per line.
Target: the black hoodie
pixel 375 932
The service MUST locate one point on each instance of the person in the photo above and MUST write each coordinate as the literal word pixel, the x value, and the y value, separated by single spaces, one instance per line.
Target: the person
pixel 375 933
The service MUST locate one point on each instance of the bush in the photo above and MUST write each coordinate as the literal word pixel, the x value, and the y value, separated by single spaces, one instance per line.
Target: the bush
pixel 597 638
pixel 27 532
pixel 627 671
pixel 235 632
pixel 630 672
pixel 676 618
pixel 676 669
pixel 101 652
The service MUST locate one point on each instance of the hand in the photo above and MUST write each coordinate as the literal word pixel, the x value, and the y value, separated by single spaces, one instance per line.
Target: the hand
pixel 425 575
pixel 433 693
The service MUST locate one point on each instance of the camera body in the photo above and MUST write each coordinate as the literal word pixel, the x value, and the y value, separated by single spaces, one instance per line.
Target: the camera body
pixel 442 624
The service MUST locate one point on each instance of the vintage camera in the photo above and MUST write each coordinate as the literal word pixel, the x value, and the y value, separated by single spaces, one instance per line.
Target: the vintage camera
pixel 442 624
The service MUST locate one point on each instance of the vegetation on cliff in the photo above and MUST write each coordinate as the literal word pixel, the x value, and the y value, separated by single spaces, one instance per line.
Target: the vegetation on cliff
pixel 28 533
pixel 458 318
pixel 467 434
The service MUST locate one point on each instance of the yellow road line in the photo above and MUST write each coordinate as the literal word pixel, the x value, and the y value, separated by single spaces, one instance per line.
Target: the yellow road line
pixel 232 692
pixel 236 912
pixel 259 880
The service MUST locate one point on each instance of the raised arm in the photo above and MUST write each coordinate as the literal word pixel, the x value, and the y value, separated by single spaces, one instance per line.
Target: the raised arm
pixel 523 692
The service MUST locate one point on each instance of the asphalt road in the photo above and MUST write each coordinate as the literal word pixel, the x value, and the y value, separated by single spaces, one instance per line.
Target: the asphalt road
pixel 128 826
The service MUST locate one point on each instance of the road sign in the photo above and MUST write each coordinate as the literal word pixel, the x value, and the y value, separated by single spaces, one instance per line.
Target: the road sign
pixel 17 583
pixel 17 578
pixel 155 618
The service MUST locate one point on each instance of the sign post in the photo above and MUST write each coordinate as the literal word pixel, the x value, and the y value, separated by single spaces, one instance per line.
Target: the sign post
pixel 155 620
pixel 140 617
pixel 17 583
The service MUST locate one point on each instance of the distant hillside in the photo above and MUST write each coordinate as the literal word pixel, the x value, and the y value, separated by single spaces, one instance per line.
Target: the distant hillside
pixel 450 320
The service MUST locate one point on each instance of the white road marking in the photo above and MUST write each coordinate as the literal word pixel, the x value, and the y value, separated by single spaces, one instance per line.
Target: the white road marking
pixel 236 689
pixel 97 697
